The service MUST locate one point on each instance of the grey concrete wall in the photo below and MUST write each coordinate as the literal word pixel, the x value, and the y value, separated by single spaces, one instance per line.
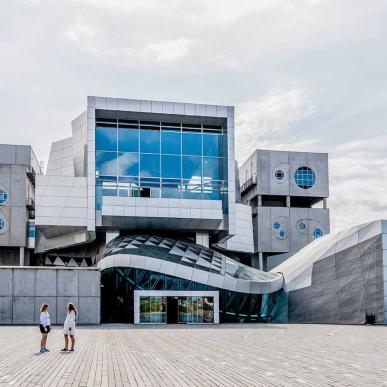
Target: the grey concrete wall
pixel 14 161
pixel 345 286
pixel 24 289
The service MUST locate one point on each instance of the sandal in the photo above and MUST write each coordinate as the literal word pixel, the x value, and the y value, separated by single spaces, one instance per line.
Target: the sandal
pixel 64 350
pixel 71 350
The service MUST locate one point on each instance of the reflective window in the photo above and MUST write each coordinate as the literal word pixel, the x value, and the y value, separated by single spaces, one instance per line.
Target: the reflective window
pixel 170 142
pixel 171 166
pixel 2 223
pixel 212 144
pixel 149 165
pixel 192 167
pixel 190 155
pixel 212 168
pixel 106 163
pixel 3 196
pixel 304 177
pixel 149 141
pixel 127 164
pixel 128 140
pixel 192 143
pixel 317 233
pixel 106 139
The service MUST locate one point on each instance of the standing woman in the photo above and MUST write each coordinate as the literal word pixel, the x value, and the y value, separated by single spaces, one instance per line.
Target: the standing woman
pixel 69 327
pixel 45 327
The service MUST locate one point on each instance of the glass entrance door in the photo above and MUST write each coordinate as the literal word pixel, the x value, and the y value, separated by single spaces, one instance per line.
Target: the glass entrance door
pixel 196 310
pixel 153 310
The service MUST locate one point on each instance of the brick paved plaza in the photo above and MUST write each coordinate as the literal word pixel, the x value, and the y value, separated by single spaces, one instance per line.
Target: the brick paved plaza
pixel 225 355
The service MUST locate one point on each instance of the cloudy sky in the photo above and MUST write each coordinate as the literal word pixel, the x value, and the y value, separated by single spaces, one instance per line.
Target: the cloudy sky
pixel 308 75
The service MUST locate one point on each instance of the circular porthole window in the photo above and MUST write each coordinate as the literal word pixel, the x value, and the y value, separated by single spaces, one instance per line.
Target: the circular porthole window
pixel 3 196
pixel 279 175
pixel 317 233
pixel 280 227
pixel 301 226
pixel 304 177
pixel 3 225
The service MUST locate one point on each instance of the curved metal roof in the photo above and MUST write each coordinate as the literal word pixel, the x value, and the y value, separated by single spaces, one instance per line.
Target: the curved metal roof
pixel 185 259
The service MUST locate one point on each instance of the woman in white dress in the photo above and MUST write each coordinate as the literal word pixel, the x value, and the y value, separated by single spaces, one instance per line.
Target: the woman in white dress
pixel 69 327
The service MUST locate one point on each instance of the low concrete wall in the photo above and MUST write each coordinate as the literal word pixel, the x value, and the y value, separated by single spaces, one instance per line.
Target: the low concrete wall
pixel 24 289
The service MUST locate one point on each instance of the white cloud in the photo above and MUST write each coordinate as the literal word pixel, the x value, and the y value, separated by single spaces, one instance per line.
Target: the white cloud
pixel 270 118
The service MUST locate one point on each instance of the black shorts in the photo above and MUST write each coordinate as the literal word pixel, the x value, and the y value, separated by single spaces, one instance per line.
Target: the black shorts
pixel 44 329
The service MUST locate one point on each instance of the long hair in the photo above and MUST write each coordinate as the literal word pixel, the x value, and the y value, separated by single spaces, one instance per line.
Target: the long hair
pixel 43 308
pixel 71 307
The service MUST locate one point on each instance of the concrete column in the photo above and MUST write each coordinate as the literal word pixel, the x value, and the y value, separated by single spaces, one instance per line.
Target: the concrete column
pixel 21 256
pixel 325 203
pixel 288 201
pixel 255 261
pixel 260 261
pixel 110 235
pixel 259 200
pixel 202 238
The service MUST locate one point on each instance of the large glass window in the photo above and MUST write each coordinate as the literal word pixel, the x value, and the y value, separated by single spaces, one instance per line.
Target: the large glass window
pixel 128 140
pixel 106 139
pixel 149 165
pixel 192 167
pixel 171 142
pixel 212 168
pixel 192 143
pixel 212 145
pixel 189 160
pixel 128 164
pixel 171 166
pixel 106 163
pixel 149 141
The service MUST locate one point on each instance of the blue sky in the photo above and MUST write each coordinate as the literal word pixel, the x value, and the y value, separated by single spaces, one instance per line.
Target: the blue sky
pixel 304 75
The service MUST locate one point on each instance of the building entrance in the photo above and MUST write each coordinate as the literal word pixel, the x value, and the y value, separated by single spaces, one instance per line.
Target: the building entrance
pixel 172 310
pixel 176 309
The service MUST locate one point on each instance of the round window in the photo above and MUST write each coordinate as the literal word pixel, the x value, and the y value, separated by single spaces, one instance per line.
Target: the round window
pixel 276 225
pixel 305 177
pixel 3 196
pixel 279 175
pixel 317 233
pixel 301 226
pixel 2 224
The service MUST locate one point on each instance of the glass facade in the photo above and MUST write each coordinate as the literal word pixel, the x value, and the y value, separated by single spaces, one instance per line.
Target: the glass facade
pixel 153 310
pixel 119 284
pixel 159 159
pixel 196 310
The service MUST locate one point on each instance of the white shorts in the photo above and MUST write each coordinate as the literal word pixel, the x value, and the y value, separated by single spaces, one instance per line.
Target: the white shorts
pixel 67 331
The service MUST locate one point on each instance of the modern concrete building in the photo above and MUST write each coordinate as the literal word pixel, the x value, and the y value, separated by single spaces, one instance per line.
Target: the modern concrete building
pixel 18 171
pixel 340 278
pixel 288 193
pixel 143 217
